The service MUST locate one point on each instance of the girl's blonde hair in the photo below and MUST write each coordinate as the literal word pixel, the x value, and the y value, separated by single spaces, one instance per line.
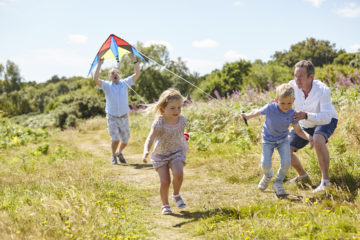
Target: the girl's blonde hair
pixel 167 96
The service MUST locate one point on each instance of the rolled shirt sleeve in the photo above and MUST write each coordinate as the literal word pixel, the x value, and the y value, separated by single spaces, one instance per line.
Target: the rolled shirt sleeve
pixel 317 104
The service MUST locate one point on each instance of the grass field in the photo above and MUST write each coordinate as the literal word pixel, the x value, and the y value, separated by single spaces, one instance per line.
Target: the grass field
pixel 60 184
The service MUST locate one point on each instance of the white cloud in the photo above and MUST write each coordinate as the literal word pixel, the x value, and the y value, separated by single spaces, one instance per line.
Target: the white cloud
pixel 5 2
pixel 233 55
pixel 352 10
pixel 159 42
pixel 207 43
pixel 202 66
pixel 355 47
pixel 41 64
pixel 238 3
pixel 77 38
pixel 315 3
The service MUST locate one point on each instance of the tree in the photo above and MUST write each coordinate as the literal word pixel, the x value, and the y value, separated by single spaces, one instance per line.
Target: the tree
pixel 344 58
pixel 356 61
pixel 230 77
pixel 319 52
pixel 12 79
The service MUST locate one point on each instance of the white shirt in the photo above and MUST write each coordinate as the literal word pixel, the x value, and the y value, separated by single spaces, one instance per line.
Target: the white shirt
pixel 317 105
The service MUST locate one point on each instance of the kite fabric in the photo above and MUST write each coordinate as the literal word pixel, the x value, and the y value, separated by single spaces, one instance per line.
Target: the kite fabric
pixel 114 48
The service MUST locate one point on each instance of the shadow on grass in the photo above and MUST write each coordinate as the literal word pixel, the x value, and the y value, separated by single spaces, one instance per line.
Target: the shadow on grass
pixel 345 187
pixel 141 165
pixel 198 215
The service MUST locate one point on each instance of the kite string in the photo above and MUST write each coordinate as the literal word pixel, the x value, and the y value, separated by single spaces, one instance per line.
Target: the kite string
pixel 179 76
pixel 141 98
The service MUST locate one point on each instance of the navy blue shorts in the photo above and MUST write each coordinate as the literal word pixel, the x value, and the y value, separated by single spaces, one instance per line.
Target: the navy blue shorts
pixel 297 142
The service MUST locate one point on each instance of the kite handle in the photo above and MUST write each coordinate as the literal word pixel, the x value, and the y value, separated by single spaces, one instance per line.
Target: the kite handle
pixel 245 119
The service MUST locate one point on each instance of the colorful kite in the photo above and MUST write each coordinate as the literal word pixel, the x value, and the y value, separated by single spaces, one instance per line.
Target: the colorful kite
pixel 114 48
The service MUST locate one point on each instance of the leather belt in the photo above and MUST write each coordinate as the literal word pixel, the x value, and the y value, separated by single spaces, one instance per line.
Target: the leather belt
pixel 122 116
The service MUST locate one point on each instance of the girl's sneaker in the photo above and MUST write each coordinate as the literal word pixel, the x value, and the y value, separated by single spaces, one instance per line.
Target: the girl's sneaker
pixel 279 189
pixel 166 210
pixel 264 183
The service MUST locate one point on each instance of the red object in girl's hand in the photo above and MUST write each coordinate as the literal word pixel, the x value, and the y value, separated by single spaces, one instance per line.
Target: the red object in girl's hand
pixel 187 136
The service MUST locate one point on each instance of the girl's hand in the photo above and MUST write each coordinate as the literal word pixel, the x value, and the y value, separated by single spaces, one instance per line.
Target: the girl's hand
pixel 145 156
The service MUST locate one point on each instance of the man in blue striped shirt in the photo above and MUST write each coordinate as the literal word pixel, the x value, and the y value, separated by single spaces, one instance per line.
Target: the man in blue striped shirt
pixel 117 107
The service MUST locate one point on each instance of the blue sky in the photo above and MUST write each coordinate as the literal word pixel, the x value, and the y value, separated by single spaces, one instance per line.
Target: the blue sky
pixel 48 37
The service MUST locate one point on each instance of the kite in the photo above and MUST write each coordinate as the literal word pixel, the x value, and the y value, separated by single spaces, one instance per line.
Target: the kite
pixel 114 48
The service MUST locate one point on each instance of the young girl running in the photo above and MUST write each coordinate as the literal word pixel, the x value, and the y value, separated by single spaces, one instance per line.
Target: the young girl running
pixel 170 145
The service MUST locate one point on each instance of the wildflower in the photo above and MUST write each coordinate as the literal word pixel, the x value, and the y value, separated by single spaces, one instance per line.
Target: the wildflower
pixel 315 203
pixel 306 200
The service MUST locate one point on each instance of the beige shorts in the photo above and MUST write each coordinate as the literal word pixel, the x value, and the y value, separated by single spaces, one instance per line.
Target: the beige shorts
pixel 119 128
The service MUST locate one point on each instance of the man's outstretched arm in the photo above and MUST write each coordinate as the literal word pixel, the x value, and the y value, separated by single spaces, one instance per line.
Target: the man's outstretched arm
pixel 97 72
pixel 136 67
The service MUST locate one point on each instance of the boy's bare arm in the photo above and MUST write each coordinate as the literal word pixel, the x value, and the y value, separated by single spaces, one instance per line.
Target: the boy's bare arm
pixel 301 133
pixel 253 114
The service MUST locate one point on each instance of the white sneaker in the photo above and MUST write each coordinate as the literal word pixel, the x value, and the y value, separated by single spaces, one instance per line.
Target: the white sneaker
pixel 264 183
pixel 322 187
pixel 166 210
pixel 279 189
pixel 300 179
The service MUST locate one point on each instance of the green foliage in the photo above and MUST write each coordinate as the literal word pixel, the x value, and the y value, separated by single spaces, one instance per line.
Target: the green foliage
pixel 12 135
pixel 265 76
pixel 344 58
pixel 356 61
pixel 12 79
pixel 319 52
pixel 230 77
pixel 343 75
pixel 14 103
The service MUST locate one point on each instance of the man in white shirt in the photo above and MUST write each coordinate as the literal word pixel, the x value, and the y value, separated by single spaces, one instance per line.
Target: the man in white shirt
pixel 117 107
pixel 316 116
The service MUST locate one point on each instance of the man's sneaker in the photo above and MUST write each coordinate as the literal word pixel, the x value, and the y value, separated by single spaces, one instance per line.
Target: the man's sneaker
pixel 302 181
pixel 279 189
pixel 264 183
pixel 113 160
pixel 121 158
pixel 322 187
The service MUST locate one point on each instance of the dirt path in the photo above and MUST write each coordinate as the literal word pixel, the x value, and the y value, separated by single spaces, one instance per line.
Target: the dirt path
pixel 135 172
pixel 203 193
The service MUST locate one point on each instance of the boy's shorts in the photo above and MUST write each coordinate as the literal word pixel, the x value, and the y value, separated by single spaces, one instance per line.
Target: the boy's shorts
pixel 119 128
pixel 327 130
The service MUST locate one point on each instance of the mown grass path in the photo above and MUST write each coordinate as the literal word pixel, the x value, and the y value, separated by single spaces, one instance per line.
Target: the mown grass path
pixel 139 174
pixel 203 193
pixel 217 208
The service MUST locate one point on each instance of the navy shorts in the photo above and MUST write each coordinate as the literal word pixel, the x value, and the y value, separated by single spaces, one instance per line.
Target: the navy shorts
pixel 327 130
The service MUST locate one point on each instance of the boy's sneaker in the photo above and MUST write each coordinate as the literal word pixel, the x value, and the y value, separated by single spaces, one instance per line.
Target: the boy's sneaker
pixel 279 189
pixel 121 158
pixel 113 160
pixel 264 183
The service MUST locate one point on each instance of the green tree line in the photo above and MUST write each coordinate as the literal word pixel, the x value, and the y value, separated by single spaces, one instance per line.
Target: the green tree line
pixel 68 99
